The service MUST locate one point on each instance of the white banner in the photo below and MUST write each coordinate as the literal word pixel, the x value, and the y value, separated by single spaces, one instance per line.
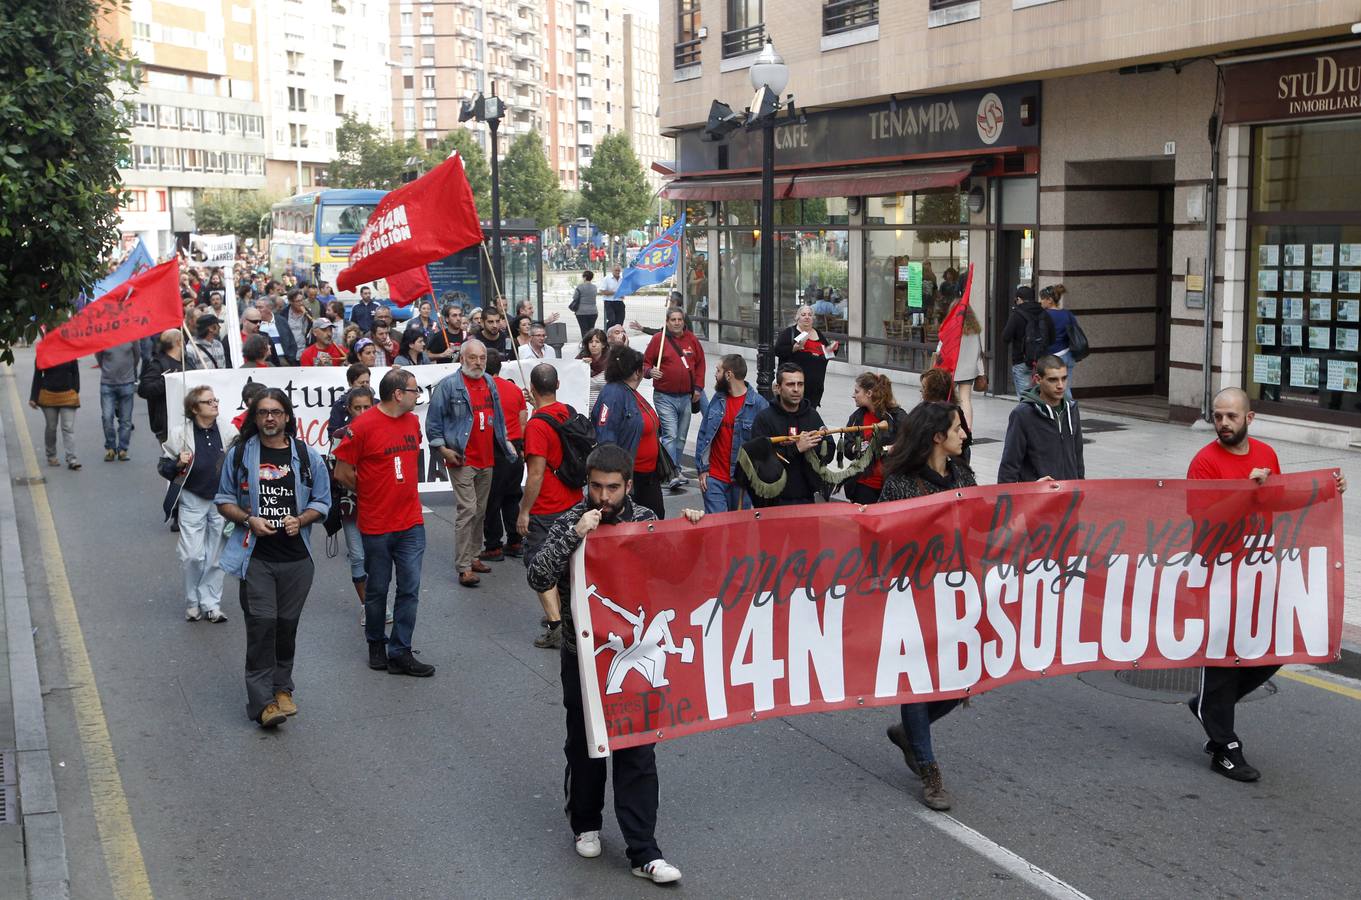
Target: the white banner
pixel 220 250
pixel 313 390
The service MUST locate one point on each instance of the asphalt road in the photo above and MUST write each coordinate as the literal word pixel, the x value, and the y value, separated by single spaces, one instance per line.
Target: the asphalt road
pixel 389 786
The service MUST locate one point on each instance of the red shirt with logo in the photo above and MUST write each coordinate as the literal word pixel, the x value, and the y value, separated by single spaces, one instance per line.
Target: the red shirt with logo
pixel 541 440
pixel 309 356
pixel 512 404
pixel 720 451
pixel 479 454
pixel 385 453
pixel 645 460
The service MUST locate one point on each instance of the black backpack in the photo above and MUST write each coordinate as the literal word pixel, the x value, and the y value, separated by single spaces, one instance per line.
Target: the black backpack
pixel 1037 339
pixel 577 436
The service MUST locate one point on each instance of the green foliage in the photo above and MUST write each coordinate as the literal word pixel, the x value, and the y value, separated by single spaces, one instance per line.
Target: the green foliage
pixel 474 164
pixel 63 132
pixel 829 271
pixel 944 208
pixel 616 196
pixel 231 212
pixel 529 189
pixel 366 158
pixel 571 207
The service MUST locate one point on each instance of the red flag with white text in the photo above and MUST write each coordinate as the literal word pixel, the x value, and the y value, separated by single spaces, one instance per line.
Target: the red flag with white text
pixel 144 305
pixel 952 329
pixel 418 223
pixel 404 287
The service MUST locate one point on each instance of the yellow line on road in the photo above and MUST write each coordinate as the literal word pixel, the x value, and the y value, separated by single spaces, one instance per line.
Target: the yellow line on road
pixel 1324 683
pixel 113 819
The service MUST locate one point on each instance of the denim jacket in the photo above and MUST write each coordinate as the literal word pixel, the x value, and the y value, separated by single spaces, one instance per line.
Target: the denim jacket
pixel 617 417
pixel 449 421
pixel 752 403
pixel 246 494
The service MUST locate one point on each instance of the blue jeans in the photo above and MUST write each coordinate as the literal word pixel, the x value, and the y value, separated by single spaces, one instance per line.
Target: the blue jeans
pixel 674 412
pixel 723 497
pixel 402 550
pixel 917 719
pixel 115 400
pixel 1067 357
pixel 1020 378
pixel 354 549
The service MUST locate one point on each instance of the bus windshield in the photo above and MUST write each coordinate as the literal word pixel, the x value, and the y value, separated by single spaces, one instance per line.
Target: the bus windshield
pixel 347 219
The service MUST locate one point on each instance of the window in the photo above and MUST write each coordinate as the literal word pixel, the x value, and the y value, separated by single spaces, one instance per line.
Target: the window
pixel 254 125
pixel 193 161
pixel 297 135
pixel 583 104
pixel 338 70
pixel 297 100
pixel 338 35
pixel 135 201
pixel 340 104
pixel 170 159
pixel 191 119
pixel 847 15
pixel 409 82
pixel 409 115
pixel 429 82
pixel 212 122
pixel 745 28
pixel 406 21
pixel 947 12
pixel 427 22
pixel 428 117
pixel 146 114
pixel 141 31
pixel 294 62
pixel 144 157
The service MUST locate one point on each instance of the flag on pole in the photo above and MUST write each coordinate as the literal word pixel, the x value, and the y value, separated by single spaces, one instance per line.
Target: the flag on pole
pixel 952 328
pixel 404 287
pixel 138 261
pixel 656 262
pixel 143 305
pixel 418 223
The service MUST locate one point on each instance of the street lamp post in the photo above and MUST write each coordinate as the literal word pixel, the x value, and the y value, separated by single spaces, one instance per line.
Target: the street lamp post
pixel 769 76
pixel 490 110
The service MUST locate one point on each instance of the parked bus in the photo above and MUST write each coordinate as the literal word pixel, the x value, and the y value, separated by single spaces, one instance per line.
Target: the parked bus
pixel 311 234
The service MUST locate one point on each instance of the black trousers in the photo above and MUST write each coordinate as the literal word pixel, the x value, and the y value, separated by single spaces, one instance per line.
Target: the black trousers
pixel 272 597
pixel 636 789
pixel 586 323
pixel 614 313
pixel 858 493
pixel 503 502
pixel 647 491
pixel 1221 687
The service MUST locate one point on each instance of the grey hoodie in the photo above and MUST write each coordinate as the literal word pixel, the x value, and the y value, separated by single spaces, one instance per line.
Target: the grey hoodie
pixel 118 365
pixel 1042 440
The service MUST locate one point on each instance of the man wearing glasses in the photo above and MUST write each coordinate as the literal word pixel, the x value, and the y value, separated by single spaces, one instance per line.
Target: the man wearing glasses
pixel 273 489
pixel 190 460
pixel 380 462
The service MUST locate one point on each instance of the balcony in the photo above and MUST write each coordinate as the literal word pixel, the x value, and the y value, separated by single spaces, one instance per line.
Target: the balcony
pixel 848 15
pixel 743 40
pixel 687 54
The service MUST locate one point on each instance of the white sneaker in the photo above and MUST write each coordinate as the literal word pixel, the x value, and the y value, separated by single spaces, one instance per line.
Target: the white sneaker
pixel 588 844
pixel 660 871
pixel 215 616
pixel 193 614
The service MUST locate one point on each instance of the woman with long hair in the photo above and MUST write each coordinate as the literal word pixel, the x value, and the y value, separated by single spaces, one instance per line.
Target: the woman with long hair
pixel 412 349
pixel 621 416
pixel 1051 298
pixel 594 345
pixel 874 403
pixel 970 363
pixel 924 461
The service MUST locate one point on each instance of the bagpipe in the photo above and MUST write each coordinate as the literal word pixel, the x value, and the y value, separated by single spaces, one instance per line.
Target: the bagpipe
pixel 762 469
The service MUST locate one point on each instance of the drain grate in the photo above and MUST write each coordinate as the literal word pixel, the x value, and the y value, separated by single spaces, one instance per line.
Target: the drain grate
pixel 9 789
pixel 1158 685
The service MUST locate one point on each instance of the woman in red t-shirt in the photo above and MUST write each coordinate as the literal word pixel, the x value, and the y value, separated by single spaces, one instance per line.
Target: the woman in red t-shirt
pixel 873 396
pixel 622 416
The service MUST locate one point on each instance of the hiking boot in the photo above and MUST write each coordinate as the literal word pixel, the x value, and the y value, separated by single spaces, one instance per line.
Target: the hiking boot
pixel 1229 762
pixel 110 455
pixel 495 555
pixel 552 637
pixel 271 717
pixel 408 664
pixel 588 844
pixel 515 550
pixel 898 735
pixel 934 794
pixel 284 700
pixel 378 655
pixel 659 871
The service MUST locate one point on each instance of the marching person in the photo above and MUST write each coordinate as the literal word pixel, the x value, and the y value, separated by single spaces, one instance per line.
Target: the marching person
pixel 356 401
pixel 448 336
pixel 726 426
pixel 614 309
pixel 273 488
pixel 56 391
pixel 622 416
pixel 117 386
pixel 792 416
pixel 803 345
pixel 636 785
pixel 874 403
pixel 380 462
pixel 1044 431
pixel 323 351
pixel 191 459
pixel 536 347
pixel 583 302
pixel 1028 333
pixel 1233 455
pixel 169 357
pixel 464 426
pixel 678 384
pixel 970 363
pixel 503 503
pixel 924 460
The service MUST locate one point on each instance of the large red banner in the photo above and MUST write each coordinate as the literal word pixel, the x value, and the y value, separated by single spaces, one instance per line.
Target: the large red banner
pixel 145 304
pixel 686 628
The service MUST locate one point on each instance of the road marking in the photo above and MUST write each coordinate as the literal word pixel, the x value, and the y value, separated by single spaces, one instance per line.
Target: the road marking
pixel 1046 882
pixel 113 819
pixel 1325 684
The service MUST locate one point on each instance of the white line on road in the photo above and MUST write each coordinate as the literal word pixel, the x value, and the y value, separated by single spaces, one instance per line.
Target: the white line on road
pixel 1051 885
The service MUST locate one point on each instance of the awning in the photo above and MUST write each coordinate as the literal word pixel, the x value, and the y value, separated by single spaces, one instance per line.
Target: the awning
pixel 898 180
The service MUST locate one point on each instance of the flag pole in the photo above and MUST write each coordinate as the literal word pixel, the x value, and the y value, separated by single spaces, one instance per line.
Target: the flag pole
pixel 497 288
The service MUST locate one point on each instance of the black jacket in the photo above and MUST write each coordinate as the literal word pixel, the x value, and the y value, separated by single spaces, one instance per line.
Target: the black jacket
pixel 1042 440
pixel 925 481
pixel 802 483
pixel 62 377
pixel 814 366
pixel 1014 332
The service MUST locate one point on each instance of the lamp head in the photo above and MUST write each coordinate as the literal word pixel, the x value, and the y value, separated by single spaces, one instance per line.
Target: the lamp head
pixel 769 70
pixel 471 108
pixel 722 122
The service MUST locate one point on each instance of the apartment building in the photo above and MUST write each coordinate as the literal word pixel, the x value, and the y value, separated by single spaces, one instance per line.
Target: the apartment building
pixel 1185 168
pixel 641 94
pixel 199 122
pixel 319 60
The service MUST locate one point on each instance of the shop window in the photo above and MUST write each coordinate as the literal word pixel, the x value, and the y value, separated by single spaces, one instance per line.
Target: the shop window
pixel 1309 167
pixel 911 278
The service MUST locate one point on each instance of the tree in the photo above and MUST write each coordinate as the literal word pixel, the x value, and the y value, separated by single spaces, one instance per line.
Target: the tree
pixel 65 132
pixel 366 158
pixel 529 189
pixel 570 208
pixel 231 212
pixel 941 208
pixel 615 192
pixel 474 164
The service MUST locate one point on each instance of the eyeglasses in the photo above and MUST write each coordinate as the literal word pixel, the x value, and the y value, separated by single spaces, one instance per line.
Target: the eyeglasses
pixel 212 402
pixel 254 321
pixel 414 390
pixel 270 413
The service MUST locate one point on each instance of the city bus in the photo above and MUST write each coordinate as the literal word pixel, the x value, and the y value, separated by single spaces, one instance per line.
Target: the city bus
pixel 311 234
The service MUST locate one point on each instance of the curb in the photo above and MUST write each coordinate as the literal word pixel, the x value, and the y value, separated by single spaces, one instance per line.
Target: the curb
pixel 1350 663
pixel 47 873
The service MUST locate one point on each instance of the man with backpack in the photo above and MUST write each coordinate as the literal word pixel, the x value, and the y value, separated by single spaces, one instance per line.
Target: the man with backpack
pixel 557 441
pixel 1028 332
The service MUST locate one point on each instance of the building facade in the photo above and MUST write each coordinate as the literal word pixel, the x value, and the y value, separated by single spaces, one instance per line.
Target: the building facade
pixel 642 96
pixel 1178 167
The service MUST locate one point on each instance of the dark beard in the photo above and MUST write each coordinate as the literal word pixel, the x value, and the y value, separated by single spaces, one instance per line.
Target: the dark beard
pixel 723 386
pixel 609 513
pixel 1234 439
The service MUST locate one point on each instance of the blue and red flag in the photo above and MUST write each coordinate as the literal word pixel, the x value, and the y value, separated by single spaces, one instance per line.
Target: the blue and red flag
pixel 655 262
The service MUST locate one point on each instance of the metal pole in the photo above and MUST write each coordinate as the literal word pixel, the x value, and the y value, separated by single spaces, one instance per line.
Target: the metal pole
pixel 1211 226
pixel 765 330
pixel 497 271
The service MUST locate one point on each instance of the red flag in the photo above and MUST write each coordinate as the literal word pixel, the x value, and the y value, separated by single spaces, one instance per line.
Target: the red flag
pixel 952 329
pixel 404 287
pixel 418 223
pixel 145 304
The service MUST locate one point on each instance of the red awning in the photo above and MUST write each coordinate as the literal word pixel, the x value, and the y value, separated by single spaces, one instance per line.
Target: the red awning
pixel 900 180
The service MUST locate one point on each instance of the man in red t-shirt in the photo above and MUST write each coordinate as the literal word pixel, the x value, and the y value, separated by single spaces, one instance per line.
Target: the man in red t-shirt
pixel 724 429
pixel 380 462
pixel 545 496
pixel 503 503
pixel 323 351
pixel 1232 455
pixel 679 384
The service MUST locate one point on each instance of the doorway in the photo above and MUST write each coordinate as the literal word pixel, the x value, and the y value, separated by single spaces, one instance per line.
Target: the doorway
pixel 1015 266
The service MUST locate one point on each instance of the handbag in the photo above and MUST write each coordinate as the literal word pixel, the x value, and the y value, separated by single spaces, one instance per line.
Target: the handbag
pixel 666 466
pixel 980 382
pixel 1078 348
pixel 576 301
